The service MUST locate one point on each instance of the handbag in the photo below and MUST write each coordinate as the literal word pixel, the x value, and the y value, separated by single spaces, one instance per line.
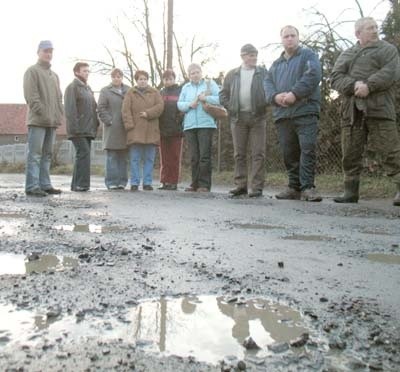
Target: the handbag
pixel 216 111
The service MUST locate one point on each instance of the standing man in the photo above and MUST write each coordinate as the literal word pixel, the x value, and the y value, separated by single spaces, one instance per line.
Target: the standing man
pixel 43 95
pixel 365 75
pixel 82 124
pixel 292 87
pixel 242 94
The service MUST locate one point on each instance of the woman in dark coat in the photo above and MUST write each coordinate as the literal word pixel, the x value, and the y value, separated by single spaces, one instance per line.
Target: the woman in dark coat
pixel 114 134
pixel 171 133
pixel 82 124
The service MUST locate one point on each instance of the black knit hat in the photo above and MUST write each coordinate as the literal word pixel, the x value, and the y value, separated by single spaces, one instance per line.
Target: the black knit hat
pixel 247 49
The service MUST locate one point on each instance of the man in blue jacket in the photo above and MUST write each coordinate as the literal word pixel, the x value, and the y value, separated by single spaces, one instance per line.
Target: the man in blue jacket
pixel 292 87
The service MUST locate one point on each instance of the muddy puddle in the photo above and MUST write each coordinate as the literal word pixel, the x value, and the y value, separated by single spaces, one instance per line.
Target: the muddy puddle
pixel 10 222
pixel 90 228
pixel 308 238
pixel 257 226
pixel 384 258
pixel 19 264
pixel 205 327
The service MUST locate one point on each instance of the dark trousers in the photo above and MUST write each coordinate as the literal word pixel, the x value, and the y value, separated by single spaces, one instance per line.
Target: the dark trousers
pixel 200 143
pixel 81 172
pixel 170 159
pixel 248 133
pixel 383 139
pixel 298 139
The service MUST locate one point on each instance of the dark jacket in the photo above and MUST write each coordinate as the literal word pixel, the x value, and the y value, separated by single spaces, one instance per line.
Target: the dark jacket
pixel 229 94
pixel 80 110
pixel 301 75
pixel 379 66
pixel 171 119
pixel 43 95
pixel 110 114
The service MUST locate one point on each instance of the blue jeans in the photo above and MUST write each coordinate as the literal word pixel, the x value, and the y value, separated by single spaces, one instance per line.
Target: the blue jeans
pixel 142 154
pixel 298 139
pixel 40 150
pixel 116 168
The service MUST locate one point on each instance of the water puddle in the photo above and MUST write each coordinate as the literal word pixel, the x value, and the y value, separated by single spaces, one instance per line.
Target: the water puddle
pixel 384 258
pixel 257 226
pixel 91 228
pixel 308 238
pixel 19 264
pixel 205 327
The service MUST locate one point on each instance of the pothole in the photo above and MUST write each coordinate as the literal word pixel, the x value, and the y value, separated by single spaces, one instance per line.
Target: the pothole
pixel 19 264
pixel 257 226
pixel 91 228
pixel 384 258
pixel 308 238
pixel 205 327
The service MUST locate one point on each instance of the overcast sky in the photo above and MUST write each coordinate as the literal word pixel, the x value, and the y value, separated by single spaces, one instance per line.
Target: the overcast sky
pixel 79 29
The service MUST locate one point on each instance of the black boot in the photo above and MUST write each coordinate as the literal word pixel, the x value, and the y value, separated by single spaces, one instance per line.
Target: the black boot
pixel 396 200
pixel 351 192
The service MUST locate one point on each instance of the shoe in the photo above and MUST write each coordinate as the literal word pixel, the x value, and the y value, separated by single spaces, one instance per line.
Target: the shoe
pixel 203 189
pixel 134 188
pixel 148 188
pixel 162 186
pixel 171 187
pixel 351 192
pixel 113 187
pixel 311 195
pixel 396 200
pixel 120 187
pixel 238 191
pixel 80 189
pixel 36 192
pixel 288 194
pixel 255 194
pixel 52 191
pixel 191 189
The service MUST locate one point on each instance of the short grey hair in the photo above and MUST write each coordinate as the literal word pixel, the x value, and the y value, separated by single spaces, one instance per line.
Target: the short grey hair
pixel 360 23
pixel 193 66
pixel 289 26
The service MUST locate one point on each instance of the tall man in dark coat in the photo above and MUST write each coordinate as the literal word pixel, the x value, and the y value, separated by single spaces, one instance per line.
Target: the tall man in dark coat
pixel 365 75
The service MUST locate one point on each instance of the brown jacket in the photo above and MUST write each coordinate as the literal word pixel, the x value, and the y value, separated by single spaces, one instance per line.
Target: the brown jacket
pixel 142 130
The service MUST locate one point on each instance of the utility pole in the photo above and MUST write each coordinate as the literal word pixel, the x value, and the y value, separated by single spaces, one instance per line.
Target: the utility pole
pixel 170 32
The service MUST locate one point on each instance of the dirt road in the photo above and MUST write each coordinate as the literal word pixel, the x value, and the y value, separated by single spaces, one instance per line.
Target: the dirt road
pixel 175 281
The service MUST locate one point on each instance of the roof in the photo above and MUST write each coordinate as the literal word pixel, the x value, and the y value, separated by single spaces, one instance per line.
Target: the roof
pixel 13 118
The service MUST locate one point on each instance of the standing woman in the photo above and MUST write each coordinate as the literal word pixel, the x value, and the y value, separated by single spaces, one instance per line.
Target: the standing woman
pixel 114 135
pixel 198 125
pixel 141 109
pixel 171 133
pixel 82 124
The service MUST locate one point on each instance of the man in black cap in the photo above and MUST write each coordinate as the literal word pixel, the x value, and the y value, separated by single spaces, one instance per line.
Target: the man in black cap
pixel 43 95
pixel 242 94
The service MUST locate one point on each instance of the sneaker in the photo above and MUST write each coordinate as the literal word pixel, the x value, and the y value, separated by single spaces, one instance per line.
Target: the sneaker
pixel 238 191
pixel 162 186
pixel 121 187
pixel 255 194
pixel 191 189
pixel 81 189
pixel 113 187
pixel 311 195
pixel 203 189
pixel 171 187
pixel 148 188
pixel 288 194
pixel 134 188
pixel 52 191
pixel 36 192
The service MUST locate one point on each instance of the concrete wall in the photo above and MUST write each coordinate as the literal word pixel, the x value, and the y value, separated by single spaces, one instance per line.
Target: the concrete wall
pixel 63 153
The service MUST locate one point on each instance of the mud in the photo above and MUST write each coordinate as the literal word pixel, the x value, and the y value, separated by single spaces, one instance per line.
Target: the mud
pixel 169 256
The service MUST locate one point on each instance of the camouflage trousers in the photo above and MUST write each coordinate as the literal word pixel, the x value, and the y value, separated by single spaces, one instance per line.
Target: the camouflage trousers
pixel 381 136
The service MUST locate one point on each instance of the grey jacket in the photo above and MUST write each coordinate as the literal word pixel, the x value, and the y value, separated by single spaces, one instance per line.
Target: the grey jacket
pixel 110 114
pixel 43 95
pixel 229 94
pixel 80 110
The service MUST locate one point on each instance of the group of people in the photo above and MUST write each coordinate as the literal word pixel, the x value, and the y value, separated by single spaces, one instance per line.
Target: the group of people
pixel 139 119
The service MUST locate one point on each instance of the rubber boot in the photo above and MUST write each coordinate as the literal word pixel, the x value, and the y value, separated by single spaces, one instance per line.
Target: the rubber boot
pixel 351 192
pixel 396 200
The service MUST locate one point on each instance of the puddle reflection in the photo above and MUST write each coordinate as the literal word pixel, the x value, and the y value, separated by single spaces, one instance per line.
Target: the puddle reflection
pixel 384 258
pixel 91 228
pixel 18 264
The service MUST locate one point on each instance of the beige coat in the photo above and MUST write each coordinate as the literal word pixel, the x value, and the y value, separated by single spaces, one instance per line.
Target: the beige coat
pixel 139 130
